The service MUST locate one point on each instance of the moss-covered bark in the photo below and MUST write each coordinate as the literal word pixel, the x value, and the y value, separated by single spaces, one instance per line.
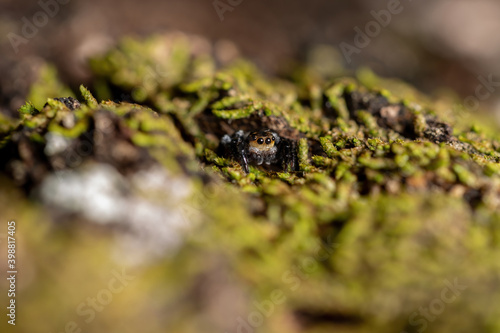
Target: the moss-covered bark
pixel 396 198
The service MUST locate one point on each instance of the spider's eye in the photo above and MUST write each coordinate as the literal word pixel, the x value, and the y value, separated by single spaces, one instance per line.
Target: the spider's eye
pixel 268 141
pixel 272 138
pixel 260 141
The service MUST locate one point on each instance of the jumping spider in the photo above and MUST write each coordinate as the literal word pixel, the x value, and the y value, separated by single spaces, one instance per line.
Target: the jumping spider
pixel 260 147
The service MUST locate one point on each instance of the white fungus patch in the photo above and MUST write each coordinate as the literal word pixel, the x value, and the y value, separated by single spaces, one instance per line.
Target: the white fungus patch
pixel 147 227
pixel 56 143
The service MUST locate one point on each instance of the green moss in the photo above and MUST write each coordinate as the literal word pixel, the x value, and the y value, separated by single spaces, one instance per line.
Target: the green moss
pixel 369 122
pixel 464 175
pixel 303 155
pixel 378 214
pixel 236 113
pixel 88 98
pixel 28 108
pixel 7 124
pixel 80 127
pixel 47 86
pixel 420 124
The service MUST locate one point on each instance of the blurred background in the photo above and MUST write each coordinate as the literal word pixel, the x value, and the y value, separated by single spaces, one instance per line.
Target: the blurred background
pixel 436 45
pixel 431 44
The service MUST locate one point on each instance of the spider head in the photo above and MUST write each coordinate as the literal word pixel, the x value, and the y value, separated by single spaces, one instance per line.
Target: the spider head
pixel 263 140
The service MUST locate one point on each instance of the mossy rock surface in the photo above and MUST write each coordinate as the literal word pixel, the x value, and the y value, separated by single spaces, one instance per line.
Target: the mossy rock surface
pixel 391 222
